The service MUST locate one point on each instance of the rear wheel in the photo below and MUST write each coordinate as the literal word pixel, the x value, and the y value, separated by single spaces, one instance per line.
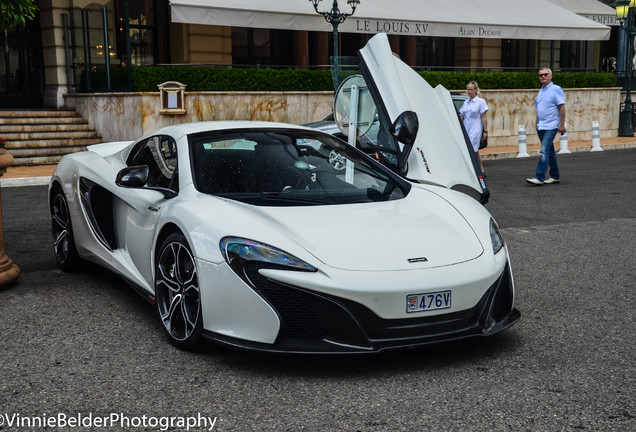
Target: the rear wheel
pixel 177 292
pixel 62 233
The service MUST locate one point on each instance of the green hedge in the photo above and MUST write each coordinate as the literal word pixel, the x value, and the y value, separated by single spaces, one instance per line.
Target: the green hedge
pixel 146 79
pixel 517 80
pixel 237 79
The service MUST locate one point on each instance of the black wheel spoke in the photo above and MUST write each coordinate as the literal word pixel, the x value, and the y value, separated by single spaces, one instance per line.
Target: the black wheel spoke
pixel 62 233
pixel 177 292
pixel 173 317
pixel 60 243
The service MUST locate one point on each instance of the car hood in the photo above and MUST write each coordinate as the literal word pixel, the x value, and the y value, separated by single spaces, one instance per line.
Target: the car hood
pixel 422 230
pixel 440 154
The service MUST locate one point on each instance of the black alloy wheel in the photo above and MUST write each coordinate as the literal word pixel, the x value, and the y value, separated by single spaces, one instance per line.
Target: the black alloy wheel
pixel 62 233
pixel 177 292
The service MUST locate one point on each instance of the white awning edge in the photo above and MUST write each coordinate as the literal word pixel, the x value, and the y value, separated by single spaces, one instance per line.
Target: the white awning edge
pixel 490 19
pixel 591 9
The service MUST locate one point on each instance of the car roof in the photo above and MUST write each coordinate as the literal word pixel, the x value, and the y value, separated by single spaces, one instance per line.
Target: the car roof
pixel 181 129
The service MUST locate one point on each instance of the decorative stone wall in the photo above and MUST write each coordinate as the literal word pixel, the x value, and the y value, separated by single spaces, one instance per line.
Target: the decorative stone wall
pixel 509 109
pixel 128 116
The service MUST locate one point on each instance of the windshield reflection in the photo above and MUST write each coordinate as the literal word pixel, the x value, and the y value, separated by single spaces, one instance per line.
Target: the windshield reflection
pixel 288 167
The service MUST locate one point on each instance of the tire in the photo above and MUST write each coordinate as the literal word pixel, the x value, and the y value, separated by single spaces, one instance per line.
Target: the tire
pixel 62 233
pixel 177 293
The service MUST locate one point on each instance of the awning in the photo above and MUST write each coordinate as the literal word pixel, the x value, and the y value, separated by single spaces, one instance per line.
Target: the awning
pixel 590 9
pixel 493 19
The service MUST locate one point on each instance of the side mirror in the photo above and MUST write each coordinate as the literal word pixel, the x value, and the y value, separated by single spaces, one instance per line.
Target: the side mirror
pixel 404 129
pixel 133 177
pixel 136 177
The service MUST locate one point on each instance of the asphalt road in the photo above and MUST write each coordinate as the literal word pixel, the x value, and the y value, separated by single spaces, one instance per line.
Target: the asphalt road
pixel 82 345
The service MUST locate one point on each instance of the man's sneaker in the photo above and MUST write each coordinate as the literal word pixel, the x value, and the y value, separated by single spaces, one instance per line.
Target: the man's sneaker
pixel 534 181
pixel 551 180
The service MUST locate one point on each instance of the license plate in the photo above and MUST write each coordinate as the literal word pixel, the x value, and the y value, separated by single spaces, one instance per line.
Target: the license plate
pixel 428 301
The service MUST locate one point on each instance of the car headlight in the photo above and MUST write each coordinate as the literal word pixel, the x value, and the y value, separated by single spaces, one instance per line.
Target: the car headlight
pixel 239 252
pixel 495 237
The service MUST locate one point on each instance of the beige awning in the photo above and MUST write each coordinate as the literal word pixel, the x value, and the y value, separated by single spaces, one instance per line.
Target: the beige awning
pixel 493 19
pixel 590 9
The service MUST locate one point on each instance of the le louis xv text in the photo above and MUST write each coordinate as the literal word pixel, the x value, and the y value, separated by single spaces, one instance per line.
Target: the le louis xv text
pixel 391 27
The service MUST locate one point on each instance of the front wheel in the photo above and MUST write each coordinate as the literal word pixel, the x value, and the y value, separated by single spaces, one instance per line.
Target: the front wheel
pixel 62 231
pixel 177 292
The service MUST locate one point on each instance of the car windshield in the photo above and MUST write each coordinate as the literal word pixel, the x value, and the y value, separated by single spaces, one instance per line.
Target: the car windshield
pixel 285 167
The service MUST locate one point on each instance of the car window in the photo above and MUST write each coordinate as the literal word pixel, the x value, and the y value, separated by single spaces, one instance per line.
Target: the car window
pixel 458 100
pixel 373 125
pixel 287 167
pixel 159 153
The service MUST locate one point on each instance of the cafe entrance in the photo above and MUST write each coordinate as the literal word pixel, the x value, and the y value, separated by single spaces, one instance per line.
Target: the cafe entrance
pixel 21 70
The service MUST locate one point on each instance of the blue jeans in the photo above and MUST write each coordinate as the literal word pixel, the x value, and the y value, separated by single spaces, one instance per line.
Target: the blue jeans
pixel 548 155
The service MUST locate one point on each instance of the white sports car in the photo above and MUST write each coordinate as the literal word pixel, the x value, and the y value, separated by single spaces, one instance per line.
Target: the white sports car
pixel 244 233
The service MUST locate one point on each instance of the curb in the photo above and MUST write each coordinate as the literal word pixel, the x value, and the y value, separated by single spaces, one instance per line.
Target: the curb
pixel 577 149
pixel 25 181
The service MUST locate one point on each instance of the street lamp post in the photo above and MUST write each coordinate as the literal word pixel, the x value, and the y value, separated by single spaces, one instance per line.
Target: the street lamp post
pixel 625 15
pixel 335 18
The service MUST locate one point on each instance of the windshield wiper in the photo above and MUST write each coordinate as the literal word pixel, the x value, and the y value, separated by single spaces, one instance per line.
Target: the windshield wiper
pixel 292 197
pixel 281 197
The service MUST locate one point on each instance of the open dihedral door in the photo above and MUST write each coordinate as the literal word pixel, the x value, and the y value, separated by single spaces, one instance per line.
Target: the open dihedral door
pixel 441 153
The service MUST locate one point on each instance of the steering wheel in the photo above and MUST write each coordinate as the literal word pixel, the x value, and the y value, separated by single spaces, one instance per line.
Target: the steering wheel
pixel 310 177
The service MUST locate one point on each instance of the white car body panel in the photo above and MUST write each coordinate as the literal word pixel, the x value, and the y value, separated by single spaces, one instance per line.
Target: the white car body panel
pixel 442 240
pixel 227 317
pixel 108 149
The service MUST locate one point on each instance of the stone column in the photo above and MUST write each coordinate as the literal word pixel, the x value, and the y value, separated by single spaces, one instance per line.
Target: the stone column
pixel 409 50
pixel 320 49
pixel 301 48
pixel 9 272
pixel 53 51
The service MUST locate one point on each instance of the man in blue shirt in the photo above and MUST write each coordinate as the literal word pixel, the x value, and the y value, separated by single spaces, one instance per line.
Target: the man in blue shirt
pixel 550 106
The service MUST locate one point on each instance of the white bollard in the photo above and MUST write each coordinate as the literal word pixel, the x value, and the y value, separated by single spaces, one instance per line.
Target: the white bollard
pixel 523 146
pixel 564 142
pixel 596 137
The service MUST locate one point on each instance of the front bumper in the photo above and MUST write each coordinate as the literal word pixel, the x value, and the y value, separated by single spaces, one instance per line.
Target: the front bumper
pixel 319 323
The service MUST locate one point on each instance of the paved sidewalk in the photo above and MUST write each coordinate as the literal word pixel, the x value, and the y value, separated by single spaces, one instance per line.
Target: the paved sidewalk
pixel 507 152
pixel 40 175
pixel 27 175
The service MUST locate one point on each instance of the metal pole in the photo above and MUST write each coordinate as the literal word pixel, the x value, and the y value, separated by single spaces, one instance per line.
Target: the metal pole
pixel 106 48
pixel 335 18
pixel 627 128
pixel 622 40
pixel 128 46
pixel 70 78
pixel 336 77
pixel 87 53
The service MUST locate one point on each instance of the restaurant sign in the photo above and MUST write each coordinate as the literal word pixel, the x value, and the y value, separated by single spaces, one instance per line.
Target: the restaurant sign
pixel 433 29
pixel 608 20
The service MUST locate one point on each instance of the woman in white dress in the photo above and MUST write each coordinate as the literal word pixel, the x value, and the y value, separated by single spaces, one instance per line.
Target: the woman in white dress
pixel 473 114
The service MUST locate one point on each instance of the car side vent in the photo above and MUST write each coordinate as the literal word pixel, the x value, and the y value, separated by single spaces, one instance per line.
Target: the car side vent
pixel 98 204
pixel 298 317
pixel 502 304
